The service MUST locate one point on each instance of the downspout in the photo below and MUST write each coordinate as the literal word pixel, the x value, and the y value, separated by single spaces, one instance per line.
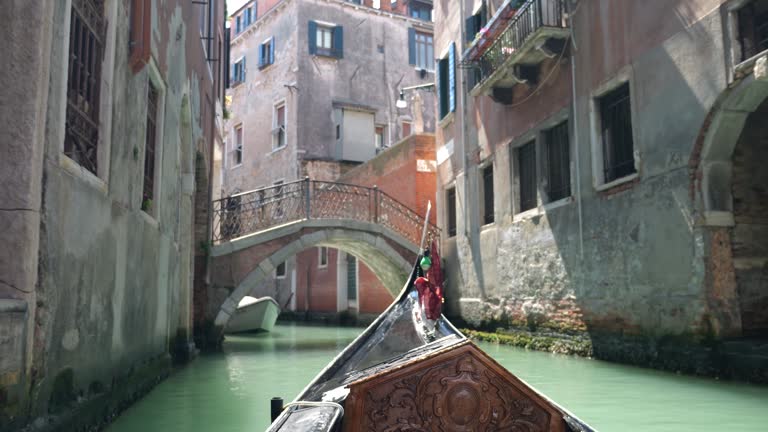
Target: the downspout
pixel 576 131
pixel 463 127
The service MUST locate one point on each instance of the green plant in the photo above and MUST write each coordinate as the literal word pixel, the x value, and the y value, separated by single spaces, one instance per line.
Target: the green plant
pixel 227 114
pixel 146 205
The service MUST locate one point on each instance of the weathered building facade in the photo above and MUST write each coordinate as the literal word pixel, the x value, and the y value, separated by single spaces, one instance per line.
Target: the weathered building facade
pixel 107 130
pixel 597 174
pixel 314 92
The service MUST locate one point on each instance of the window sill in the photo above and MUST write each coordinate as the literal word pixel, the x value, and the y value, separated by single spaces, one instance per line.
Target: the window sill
pixel 280 277
pixel 617 182
pixel 322 267
pixel 747 65
pixel 557 204
pixel 528 214
pixel 325 54
pixel 488 226
pixel 148 218
pixel 266 67
pixel 234 167
pixel 277 149
pixel 77 171
pixel 445 121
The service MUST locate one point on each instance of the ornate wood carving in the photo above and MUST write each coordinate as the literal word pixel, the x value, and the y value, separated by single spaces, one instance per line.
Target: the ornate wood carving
pixel 461 390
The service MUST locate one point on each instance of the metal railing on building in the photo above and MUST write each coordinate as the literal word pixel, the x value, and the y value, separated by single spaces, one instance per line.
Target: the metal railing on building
pixel 532 16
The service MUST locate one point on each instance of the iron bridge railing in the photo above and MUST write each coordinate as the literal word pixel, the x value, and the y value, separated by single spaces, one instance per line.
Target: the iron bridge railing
pixel 261 209
pixel 532 16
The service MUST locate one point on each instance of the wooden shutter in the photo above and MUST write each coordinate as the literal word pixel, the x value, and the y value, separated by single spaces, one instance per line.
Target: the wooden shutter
pixel 141 28
pixel 261 56
pixel 272 50
pixel 412 46
pixel 452 77
pixel 312 37
pixel 338 41
pixel 469 24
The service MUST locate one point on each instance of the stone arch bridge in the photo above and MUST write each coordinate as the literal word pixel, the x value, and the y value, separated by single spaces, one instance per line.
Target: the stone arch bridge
pixel 253 232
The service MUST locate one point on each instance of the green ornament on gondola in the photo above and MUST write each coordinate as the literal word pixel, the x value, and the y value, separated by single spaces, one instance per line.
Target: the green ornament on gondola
pixel 425 263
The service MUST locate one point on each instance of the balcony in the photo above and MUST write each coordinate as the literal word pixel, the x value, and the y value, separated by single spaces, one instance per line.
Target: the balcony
pixel 513 44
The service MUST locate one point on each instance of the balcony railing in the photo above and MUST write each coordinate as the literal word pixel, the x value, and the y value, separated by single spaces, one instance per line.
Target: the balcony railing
pixel 534 18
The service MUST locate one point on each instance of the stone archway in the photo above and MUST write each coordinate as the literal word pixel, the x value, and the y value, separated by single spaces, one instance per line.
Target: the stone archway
pixel 387 254
pixel 734 207
pixel 750 213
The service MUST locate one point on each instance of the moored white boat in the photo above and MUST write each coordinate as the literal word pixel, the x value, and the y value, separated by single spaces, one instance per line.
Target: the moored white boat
pixel 254 314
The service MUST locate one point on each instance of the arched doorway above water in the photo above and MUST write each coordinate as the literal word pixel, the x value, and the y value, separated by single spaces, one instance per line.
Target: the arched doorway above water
pixel 733 204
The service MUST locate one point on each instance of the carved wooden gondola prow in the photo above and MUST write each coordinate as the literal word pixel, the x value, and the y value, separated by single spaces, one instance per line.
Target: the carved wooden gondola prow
pixel 458 389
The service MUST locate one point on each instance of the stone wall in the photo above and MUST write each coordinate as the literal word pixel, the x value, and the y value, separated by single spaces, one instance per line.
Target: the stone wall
pixel 629 263
pixel 102 287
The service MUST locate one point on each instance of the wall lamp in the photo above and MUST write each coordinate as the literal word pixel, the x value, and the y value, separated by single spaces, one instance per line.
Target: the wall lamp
pixel 401 103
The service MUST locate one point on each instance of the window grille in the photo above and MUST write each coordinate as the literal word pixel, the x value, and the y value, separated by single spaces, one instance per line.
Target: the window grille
pixel 150 148
pixel 616 131
pixel 558 162
pixel 86 38
pixel 351 277
pixel 526 162
pixel 450 201
pixel 753 28
pixel 488 207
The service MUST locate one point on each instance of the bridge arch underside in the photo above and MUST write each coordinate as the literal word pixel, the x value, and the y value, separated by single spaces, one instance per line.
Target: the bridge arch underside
pixel 242 264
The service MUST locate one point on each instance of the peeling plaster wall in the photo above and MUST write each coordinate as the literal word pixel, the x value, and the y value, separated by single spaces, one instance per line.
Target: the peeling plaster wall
pixel 642 271
pixel 114 283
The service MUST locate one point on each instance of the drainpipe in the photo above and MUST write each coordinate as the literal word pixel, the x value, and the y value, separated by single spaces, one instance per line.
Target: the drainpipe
pixel 576 131
pixel 463 126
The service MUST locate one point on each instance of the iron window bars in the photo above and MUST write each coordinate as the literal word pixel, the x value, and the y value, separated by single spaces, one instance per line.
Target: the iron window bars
pixel 616 132
pixel 526 162
pixel 86 39
pixel 558 162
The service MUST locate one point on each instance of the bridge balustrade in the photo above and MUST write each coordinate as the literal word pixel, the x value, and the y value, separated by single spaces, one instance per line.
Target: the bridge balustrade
pixel 261 209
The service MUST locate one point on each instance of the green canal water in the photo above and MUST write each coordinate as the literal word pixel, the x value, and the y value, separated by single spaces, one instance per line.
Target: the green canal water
pixel 230 392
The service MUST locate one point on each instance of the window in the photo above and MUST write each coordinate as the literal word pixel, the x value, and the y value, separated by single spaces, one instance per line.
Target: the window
pixel 326 39
pixel 86 39
pixel 488 208
pixel 150 149
pixel 379 138
pixel 476 22
pixel 238 25
pixel 616 134
pixel 322 257
pixel 351 277
pixel 278 128
pixel 281 271
pixel 406 129
pixel 237 152
pixel 420 11
pixel 450 203
pixel 267 53
pixel 558 156
pixel 526 176
pixel 446 82
pixel 420 50
pixel 238 72
pixel 753 28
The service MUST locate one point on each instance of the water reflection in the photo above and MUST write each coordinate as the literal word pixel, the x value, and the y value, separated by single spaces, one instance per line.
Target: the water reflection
pixel 230 391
